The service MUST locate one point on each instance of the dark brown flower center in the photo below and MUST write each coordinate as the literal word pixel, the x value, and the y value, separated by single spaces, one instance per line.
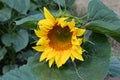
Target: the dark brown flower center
pixel 60 38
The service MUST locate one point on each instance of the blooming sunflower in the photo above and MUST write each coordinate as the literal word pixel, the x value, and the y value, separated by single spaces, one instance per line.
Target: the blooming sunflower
pixel 58 40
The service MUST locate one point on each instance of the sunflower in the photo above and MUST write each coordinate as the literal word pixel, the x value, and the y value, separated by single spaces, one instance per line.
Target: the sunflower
pixel 58 40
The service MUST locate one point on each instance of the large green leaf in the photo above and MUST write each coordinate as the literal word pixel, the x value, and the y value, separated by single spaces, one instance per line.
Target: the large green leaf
pixel 114 66
pixel 103 20
pixel 23 73
pixel 21 6
pixel 5 14
pixel 30 21
pixel 94 67
pixel 98 60
pixel 19 40
pixel 7 68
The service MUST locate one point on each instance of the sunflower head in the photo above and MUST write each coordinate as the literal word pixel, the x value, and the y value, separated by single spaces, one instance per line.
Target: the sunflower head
pixel 58 40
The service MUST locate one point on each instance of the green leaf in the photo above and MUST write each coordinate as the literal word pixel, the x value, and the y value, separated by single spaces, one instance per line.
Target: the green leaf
pixel 114 67
pixel 105 28
pixel 22 73
pixel 94 67
pixel 98 11
pixel 21 6
pixel 7 68
pixel 19 40
pixel 25 55
pixel 5 14
pixel 60 2
pixel 103 20
pixel 98 57
pixel 30 25
pixel 3 51
pixel 35 17
pixel 33 6
pixel 30 21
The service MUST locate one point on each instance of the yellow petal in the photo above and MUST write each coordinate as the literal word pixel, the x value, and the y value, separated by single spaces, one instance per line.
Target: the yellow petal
pixel 40 33
pixel 75 41
pixel 37 32
pixel 43 56
pixel 65 56
pixel 72 58
pixel 72 25
pixel 45 23
pixel 51 54
pixel 51 61
pixel 61 21
pixel 80 40
pixel 57 60
pixel 77 49
pixel 80 50
pixel 48 15
pixel 77 56
pixel 45 53
pixel 80 32
pixel 43 41
pixel 64 24
pixel 39 48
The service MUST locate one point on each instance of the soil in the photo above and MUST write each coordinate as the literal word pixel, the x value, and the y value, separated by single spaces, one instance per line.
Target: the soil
pixel 81 7
pixel 112 78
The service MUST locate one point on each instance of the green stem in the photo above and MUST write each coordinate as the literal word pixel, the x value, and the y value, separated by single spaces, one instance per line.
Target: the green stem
pixel 6 29
pixel 12 54
pixel 84 16
pixel 1 31
pixel 77 71
pixel 41 10
pixel 59 7
pixel 65 6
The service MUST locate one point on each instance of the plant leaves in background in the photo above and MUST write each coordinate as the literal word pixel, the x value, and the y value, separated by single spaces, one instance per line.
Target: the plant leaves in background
pixel 7 68
pixel 21 6
pixel 5 14
pixel 94 67
pixel 114 66
pixel 3 51
pixel 25 55
pixel 60 2
pixel 97 64
pixel 21 73
pixel 103 20
pixel 19 40
pixel 30 21
pixel 1 5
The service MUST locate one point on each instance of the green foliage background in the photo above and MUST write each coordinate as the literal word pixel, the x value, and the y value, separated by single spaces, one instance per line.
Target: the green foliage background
pixel 18 61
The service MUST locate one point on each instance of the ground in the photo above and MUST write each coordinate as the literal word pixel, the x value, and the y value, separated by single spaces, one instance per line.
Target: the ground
pixel 81 7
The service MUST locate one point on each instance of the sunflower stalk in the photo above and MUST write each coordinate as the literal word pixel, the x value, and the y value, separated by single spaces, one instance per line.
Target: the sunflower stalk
pixel 12 54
